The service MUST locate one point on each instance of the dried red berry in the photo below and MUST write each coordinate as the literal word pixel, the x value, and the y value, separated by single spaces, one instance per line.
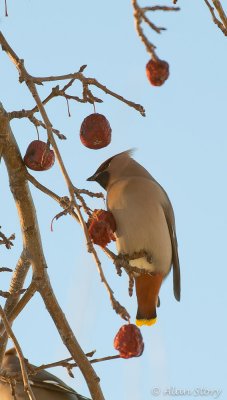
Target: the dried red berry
pixel 129 341
pixel 95 131
pixel 157 71
pixel 101 227
pixel 38 156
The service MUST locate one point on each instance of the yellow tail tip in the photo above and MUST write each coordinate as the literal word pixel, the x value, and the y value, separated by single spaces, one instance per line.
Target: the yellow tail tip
pixel 148 322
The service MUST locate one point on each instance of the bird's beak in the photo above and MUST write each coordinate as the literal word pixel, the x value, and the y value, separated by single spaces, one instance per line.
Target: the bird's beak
pixel 91 178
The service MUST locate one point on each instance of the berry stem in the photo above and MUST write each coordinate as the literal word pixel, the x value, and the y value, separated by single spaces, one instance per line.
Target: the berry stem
pixel 6 11
pixel 37 130
pixel 68 107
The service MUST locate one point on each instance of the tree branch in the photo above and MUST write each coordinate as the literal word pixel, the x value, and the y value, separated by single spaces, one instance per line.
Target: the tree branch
pixel 32 289
pixel 67 364
pixel 16 286
pixel 140 16
pixel 34 252
pixel 222 25
pixel 138 20
pixel 87 95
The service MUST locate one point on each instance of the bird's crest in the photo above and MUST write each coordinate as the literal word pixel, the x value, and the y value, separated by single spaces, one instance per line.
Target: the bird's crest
pixel 106 163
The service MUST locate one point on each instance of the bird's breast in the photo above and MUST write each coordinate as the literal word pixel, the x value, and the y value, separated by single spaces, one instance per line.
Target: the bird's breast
pixel 136 205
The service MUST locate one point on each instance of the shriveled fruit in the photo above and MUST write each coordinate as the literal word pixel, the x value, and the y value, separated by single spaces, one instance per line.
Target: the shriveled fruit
pixel 38 156
pixel 101 227
pixel 95 131
pixel 157 71
pixel 129 341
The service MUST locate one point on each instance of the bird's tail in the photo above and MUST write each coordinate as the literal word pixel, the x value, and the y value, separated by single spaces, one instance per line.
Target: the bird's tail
pixel 147 290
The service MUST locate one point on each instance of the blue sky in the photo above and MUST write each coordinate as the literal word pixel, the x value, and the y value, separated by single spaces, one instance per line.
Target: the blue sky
pixel 181 141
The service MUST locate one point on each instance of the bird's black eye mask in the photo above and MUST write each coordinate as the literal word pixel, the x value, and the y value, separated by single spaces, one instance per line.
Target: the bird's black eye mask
pixel 102 175
pixel 103 178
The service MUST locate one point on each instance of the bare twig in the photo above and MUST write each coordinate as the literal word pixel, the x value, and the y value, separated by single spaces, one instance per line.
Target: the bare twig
pixel 59 215
pixel 88 97
pixel 27 387
pixel 115 304
pixel 222 23
pixel 83 203
pixel 65 363
pixel 6 295
pixel 95 360
pixel 138 20
pixel 62 363
pixel 38 123
pixel 220 11
pixel 7 242
pixel 12 306
pixel 88 193
pixel 16 285
pixel 131 283
pixel 6 9
pixel 151 24
pixel 63 201
pixel 86 82
pixel 14 312
pixel 160 8
pixel 5 269
pixel 140 16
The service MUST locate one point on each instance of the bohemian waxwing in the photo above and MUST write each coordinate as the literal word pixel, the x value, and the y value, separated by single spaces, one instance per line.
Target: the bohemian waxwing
pixel 45 386
pixel 145 221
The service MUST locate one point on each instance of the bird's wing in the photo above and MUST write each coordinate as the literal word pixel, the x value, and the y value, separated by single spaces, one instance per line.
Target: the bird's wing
pixel 50 384
pixel 45 380
pixel 168 210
